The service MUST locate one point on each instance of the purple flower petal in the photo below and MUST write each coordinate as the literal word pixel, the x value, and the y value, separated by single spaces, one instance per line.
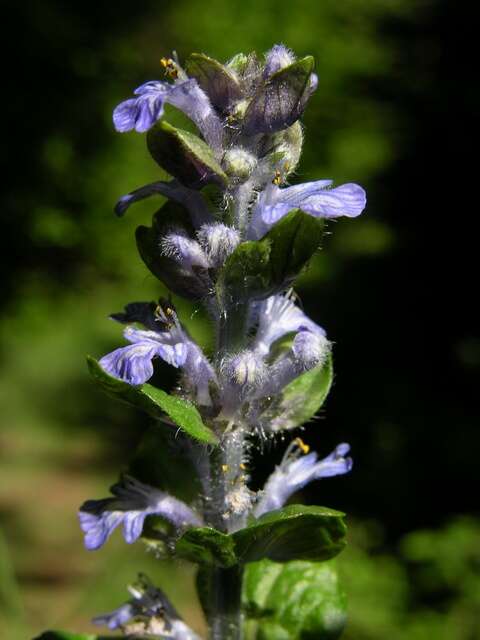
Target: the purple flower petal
pixel 313 198
pixel 132 503
pixel 296 471
pixel 277 316
pixel 347 200
pixel 133 525
pixel 142 112
pixel 124 115
pixel 97 528
pixel 191 199
pixel 194 102
pixel 133 363
pixel 116 618
pixel 277 58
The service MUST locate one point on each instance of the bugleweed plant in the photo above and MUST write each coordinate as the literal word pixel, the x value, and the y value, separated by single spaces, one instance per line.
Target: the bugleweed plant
pixel 232 237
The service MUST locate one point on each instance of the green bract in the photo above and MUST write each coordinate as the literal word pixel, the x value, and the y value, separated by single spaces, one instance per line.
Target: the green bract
pixel 260 268
pixel 184 155
pixel 302 398
pixel 155 402
pixel 280 100
pixel 292 533
pixel 218 82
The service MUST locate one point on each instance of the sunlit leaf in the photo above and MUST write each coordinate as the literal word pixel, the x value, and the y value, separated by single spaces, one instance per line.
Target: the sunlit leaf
pixel 297 600
pixel 155 402
pixel 292 533
pixel 184 155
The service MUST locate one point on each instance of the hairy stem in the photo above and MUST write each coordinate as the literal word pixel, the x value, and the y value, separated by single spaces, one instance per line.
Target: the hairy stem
pixel 225 596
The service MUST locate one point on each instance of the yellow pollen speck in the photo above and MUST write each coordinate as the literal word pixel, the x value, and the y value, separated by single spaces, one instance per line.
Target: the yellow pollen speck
pixel 304 447
pixel 277 178
pixel 242 466
pixel 224 468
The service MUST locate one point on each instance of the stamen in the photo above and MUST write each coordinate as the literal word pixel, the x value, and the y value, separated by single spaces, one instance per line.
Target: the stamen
pixel 277 178
pixel 304 447
pixel 166 314
pixel 294 450
pixel 170 67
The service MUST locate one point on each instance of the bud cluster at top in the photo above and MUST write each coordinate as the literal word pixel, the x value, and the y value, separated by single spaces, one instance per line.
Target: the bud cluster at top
pixel 228 187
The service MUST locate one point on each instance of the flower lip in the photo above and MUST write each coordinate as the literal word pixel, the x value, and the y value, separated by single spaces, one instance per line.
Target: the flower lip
pixel 314 198
pixel 142 112
pixel 133 363
pixel 133 501
pixel 279 315
pixel 297 470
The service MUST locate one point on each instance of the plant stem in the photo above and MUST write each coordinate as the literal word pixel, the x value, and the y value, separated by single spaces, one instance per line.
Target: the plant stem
pixel 232 328
pixel 225 603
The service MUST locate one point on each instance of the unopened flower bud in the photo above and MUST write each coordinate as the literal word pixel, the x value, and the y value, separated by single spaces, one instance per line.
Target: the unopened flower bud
pixel 310 349
pixel 277 58
pixel 218 241
pixel 177 244
pixel 239 163
pixel 246 369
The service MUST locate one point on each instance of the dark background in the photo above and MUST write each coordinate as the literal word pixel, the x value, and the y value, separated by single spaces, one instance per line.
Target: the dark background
pixel 394 288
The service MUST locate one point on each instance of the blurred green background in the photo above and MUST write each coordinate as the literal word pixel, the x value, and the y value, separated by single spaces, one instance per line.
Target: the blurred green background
pixel 393 112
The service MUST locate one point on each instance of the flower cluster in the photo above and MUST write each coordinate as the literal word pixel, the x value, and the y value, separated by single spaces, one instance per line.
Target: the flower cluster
pixel 148 613
pixel 228 193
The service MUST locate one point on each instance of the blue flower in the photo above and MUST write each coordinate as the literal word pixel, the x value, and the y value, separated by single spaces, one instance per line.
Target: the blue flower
pixel 308 350
pixel 148 613
pixel 133 363
pixel 192 200
pixel 314 198
pixel 132 503
pixel 116 618
pixel 277 316
pixel 297 470
pixel 142 112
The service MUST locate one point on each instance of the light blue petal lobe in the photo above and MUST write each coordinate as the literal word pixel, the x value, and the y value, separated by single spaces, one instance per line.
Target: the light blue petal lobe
pixel 347 200
pixel 124 115
pixel 133 525
pixel 132 364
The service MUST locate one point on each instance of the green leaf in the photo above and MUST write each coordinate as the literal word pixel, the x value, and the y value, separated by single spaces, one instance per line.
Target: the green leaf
pixel 206 545
pixel 295 532
pixel 301 399
pixel 184 155
pixel 259 268
pixel 218 82
pixel 193 285
pixel 246 273
pixel 280 101
pixel 155 402
pixel 294 601
pixel 294 240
